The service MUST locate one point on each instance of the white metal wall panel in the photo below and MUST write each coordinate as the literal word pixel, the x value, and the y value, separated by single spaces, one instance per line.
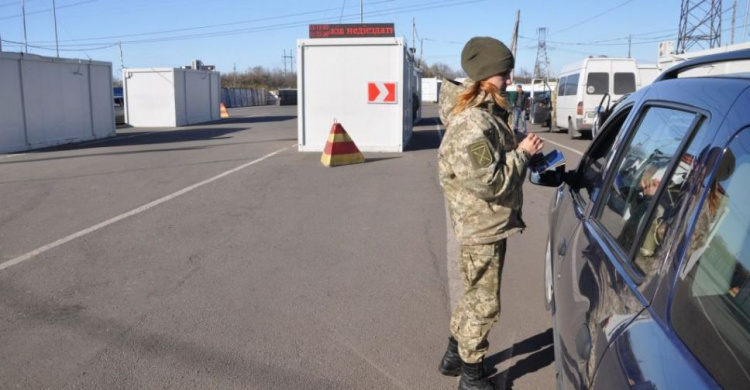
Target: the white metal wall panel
pixel 171 97
pixel 48 101
pixel 180 97
pixel 198 97
pixel 53 118
pixel 101 101
pixel 12 135
pixel 215 96
pixel 150 97
pixel 430 88
pixel 333 84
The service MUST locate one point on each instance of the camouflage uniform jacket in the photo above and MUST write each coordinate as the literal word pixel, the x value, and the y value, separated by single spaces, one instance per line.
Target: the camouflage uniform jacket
pixel 481 169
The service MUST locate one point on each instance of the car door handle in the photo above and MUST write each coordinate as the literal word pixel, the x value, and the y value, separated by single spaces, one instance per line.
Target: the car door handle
pixel 562 248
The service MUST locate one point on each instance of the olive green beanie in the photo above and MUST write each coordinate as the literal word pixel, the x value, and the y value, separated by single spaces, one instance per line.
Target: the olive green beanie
pixel 483 57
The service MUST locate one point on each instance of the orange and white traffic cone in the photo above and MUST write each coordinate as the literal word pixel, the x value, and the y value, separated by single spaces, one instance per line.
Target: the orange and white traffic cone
pixel 223 110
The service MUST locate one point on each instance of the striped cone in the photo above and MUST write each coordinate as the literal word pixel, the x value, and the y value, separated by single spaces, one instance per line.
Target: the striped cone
pixel 223 110
pixel 340 149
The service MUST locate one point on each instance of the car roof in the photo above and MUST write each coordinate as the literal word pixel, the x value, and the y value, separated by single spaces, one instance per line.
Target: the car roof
pixel 733 57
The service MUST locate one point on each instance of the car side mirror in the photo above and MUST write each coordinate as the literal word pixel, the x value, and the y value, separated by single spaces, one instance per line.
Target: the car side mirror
pixel 550 178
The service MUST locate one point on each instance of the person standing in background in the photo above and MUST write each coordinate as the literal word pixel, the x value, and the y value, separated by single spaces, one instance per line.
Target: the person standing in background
pixel 519 109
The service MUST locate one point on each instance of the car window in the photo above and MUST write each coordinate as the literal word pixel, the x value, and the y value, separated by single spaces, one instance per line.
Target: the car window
pixel 650 254
pixel 591 170
pixel 640 171
pixel 624 83
pixel 711 304
pixel 597 83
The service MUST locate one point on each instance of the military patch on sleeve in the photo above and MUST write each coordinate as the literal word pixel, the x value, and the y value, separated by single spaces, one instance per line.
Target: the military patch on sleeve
pixel 480 154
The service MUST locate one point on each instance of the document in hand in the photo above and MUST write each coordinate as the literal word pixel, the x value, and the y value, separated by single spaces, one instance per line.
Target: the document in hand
pixel 540 163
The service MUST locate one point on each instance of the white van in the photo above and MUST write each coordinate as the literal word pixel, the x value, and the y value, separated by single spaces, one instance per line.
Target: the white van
pixel 582 85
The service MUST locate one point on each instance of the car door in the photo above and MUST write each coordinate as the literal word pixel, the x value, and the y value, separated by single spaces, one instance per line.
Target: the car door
pixel 598 290
pixel 575 202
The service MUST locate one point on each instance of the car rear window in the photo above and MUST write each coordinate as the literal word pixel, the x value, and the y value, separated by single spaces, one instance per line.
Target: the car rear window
pixel 597 83
pixel 711 305
pixel 624 83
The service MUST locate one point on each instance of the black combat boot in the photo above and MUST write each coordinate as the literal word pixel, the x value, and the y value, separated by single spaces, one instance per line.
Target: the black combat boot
pixel 451 363
pixel 473 377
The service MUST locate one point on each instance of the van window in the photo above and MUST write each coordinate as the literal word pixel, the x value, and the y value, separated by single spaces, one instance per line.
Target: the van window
pixel 711 304
pixel 624 83
pixel 561 86
pixel 597 83
pixel 571 84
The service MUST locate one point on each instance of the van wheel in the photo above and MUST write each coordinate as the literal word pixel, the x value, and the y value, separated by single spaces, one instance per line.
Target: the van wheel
pixel 573 133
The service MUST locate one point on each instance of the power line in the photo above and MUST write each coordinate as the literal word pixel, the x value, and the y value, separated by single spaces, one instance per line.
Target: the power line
pixel 342 11
pixel 594 17
pixel 323 11
pixel 10 3
pixel 48 9
pixel 403 9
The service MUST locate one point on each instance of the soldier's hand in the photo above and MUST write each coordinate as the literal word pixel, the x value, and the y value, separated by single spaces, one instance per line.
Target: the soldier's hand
pixel 532 144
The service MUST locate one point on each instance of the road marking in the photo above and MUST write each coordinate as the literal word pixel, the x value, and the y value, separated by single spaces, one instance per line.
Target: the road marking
pixel 133 212
pixel 563 146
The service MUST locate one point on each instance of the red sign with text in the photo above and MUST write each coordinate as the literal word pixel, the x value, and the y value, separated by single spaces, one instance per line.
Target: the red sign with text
pixel 352 30
pixel 381 92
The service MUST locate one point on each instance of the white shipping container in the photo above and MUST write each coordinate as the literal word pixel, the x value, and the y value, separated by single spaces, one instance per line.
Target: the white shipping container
pixel 47 101
pixel 170 97
pixel 334 82
pixel 431 89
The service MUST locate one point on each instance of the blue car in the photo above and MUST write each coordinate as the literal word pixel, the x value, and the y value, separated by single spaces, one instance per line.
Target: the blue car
pixel 647 269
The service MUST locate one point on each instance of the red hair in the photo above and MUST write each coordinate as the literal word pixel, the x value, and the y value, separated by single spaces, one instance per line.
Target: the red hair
pixel 468 98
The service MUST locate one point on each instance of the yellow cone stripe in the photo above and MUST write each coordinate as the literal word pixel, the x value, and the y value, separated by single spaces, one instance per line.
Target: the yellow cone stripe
pixel 334 138
pixel 342 159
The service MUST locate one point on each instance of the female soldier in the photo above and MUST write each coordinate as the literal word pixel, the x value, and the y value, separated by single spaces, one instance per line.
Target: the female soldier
pixel 481 169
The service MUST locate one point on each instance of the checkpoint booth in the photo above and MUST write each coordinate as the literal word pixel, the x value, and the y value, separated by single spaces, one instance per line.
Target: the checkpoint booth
pixel 49 101
pixel 363 77
pixel 171 97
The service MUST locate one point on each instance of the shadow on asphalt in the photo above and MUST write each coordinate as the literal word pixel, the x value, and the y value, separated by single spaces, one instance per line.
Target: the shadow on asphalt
pixel 543 355
pixel 150 138
pixel 160 150
pixel 257 119
pixel 424 140
pixel 377 159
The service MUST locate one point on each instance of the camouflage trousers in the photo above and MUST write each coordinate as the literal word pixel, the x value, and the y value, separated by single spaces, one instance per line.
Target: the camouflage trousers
pixel 479 308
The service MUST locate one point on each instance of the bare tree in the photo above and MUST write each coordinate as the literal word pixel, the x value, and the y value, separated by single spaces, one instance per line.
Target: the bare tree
pixel 442 70
pixel 523 76
pixel 260 77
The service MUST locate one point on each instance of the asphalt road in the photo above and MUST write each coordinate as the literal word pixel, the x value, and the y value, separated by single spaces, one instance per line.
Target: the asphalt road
pixel 218 257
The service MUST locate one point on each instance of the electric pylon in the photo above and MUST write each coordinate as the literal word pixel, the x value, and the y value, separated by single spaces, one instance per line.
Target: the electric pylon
pixel 700 24
pixel 541 67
